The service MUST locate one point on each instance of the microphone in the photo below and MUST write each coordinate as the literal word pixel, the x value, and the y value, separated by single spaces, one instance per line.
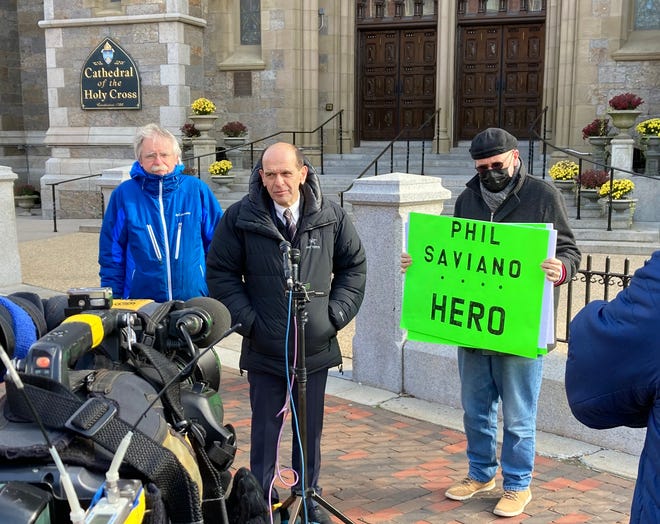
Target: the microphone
pixel 196 321
pixel 295 261
pixel 205 318
pixel 285 249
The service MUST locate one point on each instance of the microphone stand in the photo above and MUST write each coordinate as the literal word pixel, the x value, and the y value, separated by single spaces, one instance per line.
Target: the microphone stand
pixel 300 296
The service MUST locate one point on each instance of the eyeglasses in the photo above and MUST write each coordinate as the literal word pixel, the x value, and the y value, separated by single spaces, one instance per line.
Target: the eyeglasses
pixel 484 168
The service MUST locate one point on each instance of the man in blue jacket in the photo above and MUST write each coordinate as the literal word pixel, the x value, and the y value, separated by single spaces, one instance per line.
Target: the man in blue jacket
pixel 158 225
pixel 613 374
pixel 246 273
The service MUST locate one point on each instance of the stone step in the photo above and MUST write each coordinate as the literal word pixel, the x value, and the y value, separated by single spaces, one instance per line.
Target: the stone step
pixel 455 169
pixel 617 247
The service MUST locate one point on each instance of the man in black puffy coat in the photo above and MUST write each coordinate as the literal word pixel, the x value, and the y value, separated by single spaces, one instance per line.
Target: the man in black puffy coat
pixel 245 271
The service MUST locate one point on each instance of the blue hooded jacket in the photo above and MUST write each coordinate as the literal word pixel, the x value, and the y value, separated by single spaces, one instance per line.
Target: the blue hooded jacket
pixel 155 235
pixel 613 374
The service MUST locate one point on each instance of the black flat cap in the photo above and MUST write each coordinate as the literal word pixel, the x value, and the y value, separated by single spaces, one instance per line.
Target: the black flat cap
pixel 492 141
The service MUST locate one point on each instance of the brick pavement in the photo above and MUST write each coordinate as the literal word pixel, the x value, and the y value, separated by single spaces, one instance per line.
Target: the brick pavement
pixel 381 467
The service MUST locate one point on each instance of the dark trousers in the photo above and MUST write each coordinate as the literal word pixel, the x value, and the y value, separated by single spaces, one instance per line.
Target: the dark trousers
pixel 267 396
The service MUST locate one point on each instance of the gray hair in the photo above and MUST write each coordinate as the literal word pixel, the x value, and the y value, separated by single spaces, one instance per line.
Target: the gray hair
pixel 152 131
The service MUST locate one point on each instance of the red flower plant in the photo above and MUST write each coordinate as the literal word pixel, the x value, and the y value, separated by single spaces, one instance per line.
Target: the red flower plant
pixel 625 101
pixel 234 129
pixel 599 127
pixel 592 178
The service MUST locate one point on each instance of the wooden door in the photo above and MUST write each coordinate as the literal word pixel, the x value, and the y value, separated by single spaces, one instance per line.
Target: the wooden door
pixel 500 78
pixel 397 83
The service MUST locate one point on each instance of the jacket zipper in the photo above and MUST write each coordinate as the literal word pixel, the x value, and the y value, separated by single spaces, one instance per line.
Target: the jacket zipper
pixel 154 243
pixel 166 236
pixel 178 241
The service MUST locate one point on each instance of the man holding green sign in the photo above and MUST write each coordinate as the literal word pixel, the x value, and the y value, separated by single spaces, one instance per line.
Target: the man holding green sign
pixel 481 287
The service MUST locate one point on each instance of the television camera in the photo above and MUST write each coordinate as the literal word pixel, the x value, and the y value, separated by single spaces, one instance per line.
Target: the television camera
pixel 109 369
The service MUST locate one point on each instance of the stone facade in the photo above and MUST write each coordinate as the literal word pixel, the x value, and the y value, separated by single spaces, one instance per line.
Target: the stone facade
pixel 302 64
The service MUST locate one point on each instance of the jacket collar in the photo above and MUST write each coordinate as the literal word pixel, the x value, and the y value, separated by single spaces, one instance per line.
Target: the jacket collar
pixel 151 183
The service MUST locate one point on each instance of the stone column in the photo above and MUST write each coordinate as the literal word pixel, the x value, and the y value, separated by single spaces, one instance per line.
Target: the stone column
pixel 10 261
pixel 622 154
pixel 205 149
pixel 110 179
pixel 445 78
pixel 380 206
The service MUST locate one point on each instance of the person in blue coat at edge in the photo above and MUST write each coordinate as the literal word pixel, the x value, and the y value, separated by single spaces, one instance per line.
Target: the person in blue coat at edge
pixel 613 374
pixel 158 225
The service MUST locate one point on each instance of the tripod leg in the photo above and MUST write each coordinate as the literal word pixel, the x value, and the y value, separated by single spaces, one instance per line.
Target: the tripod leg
pixel 322 502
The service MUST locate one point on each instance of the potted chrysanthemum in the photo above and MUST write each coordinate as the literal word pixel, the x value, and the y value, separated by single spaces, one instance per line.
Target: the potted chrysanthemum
pixel 203 106
pixel 235 134
pixel 597 133
pixel 563 174
pixel 649 131
pixel 203 115
pixel 26 196
pixel 234 129
pixel 623 110
pixel 618 193
pixel 220 173
pixel 589 182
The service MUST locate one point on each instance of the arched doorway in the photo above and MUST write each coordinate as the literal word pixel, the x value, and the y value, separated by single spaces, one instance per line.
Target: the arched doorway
pixel 396 68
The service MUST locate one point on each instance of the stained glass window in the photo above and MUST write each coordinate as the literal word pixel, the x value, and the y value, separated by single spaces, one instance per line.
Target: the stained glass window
pixel 647 14
pixel 250 22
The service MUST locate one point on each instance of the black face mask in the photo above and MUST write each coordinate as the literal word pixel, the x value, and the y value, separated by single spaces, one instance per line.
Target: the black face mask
pixel 495 179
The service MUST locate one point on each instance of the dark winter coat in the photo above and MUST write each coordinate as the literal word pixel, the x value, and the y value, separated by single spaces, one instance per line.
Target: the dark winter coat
pixel 245 272
pixel 532 200
pixel 155 234
pixel 613 374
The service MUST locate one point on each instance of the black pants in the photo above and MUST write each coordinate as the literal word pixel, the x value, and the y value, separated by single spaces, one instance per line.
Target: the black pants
pixel 267 396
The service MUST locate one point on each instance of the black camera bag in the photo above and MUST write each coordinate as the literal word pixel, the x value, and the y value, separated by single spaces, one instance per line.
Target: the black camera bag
pixel 87 432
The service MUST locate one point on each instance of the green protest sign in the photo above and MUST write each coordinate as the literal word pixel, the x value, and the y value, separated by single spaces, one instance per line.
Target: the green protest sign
pixel 477 284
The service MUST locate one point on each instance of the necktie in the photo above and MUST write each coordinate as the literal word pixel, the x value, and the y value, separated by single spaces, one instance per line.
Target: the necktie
pixel 290 224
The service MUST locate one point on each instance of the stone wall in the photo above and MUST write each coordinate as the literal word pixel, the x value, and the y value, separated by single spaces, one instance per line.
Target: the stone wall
pixel 602 56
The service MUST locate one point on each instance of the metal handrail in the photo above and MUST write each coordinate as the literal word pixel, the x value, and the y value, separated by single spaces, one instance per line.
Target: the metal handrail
pixel 580 156
pixel 294 134
pixel 532 130
pixel 52 187
pixel 390 147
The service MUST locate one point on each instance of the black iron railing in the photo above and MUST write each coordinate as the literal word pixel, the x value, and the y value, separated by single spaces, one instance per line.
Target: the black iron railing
pixel 419 144
pixel 256 146
pixel 52 188
pixel 590 284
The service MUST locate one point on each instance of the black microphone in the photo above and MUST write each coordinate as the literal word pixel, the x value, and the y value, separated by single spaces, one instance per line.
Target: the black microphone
pixel 203 318
pixel 285 249
pixel 295 261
